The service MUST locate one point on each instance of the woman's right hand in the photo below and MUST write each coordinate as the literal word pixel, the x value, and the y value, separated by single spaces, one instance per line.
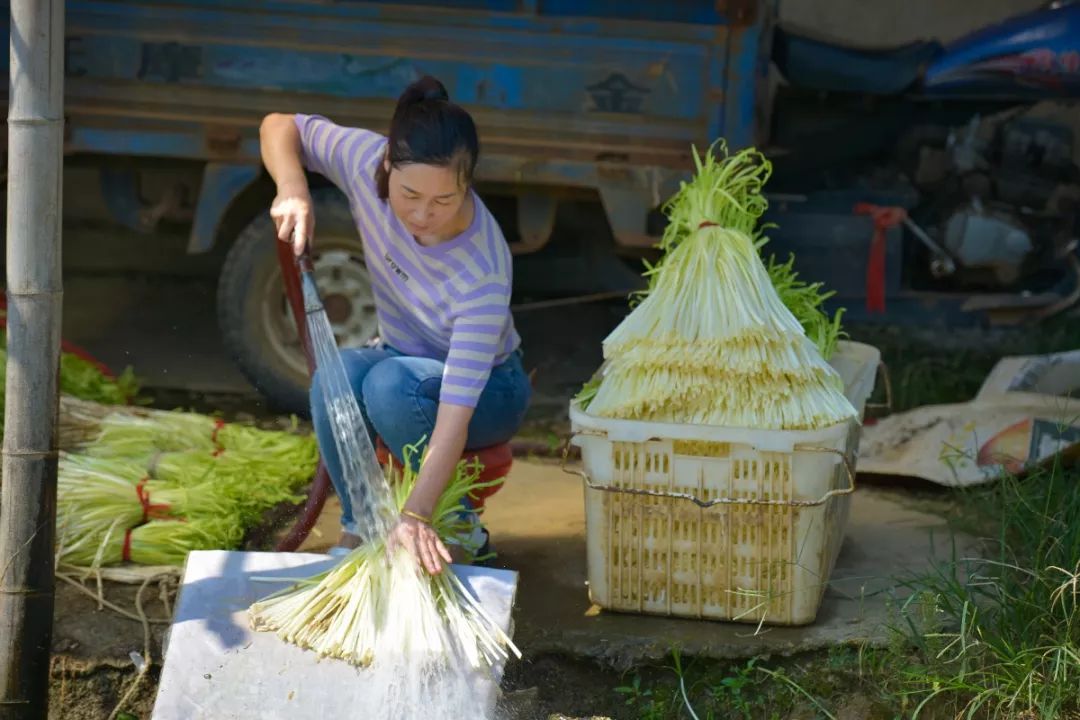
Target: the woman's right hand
pixel 294 216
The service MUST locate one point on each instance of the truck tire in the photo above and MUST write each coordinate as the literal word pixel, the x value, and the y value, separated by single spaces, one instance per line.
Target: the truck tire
pixel 257 326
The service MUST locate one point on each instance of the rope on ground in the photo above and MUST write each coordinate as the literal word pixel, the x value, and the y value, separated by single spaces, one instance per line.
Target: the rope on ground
pixel 146 657
pixel 103 603
pixel 143 662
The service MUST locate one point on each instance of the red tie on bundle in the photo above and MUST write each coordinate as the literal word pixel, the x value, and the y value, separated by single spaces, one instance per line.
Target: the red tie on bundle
pixel 884 218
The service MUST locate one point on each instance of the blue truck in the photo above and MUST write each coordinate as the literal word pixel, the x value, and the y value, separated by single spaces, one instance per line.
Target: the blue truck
pixel 587 111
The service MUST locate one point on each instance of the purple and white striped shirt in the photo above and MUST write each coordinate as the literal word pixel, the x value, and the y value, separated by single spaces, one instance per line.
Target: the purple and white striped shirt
pixel 450 302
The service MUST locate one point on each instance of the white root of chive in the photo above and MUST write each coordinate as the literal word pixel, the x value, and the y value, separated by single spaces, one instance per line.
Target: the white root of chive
pixel 713 296
pixel 367 607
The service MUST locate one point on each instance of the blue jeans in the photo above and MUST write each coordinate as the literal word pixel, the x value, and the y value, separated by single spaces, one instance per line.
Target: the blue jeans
pixel 399 398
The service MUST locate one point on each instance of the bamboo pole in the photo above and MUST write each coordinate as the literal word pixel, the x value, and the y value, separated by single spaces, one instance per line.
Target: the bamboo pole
pixel 34 291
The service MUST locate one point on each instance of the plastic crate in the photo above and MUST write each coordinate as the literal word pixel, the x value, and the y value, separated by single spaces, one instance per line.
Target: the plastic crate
pixel 858 365
pixel 715 522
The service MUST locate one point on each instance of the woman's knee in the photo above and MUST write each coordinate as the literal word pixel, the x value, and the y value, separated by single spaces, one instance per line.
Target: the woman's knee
pixel 396 395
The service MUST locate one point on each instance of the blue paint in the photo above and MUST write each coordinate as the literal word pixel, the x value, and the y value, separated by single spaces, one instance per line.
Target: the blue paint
pixel 702 12
pixel 401 22
pixel 176 144
pixel 120 190
pixel 483 78
pixel 221 185
pixel 598 77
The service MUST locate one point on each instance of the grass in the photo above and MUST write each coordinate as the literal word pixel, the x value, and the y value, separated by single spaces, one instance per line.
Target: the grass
pixel 932 368
pixel 1003 638
pixel 835 684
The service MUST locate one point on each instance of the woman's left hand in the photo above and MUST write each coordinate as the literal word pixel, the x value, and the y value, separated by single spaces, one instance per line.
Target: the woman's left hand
pixel 422 542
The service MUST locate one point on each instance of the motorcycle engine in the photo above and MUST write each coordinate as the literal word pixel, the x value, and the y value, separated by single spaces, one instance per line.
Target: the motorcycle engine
pixel 997 243
pixel 1002 200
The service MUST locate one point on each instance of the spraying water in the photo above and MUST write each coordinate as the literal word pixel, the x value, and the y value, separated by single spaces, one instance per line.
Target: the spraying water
pixel 411 683
pixel 372 502
pixel 432 677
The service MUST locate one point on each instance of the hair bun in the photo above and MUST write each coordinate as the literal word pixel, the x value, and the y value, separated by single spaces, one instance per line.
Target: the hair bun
pixel 426 88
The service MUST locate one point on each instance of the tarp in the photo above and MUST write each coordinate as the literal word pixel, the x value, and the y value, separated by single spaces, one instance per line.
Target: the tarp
pixel 1020 419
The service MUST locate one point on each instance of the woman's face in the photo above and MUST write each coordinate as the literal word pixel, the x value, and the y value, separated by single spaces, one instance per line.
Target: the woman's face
pixel 429 200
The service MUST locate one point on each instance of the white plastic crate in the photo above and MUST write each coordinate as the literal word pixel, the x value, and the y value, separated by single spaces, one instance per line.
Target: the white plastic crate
pixel 722 523
pixel 858 365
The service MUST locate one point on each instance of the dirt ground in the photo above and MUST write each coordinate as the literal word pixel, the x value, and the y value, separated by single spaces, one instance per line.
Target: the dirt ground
pixel 92 667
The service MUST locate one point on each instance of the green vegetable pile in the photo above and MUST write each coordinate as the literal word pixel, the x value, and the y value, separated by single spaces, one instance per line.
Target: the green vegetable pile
pixel 148 486
pixel 82 379
pixel 343 613
pixel 720 337
pixel 805 301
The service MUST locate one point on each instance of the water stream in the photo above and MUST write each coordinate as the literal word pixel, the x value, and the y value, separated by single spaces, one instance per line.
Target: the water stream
pixel 369 493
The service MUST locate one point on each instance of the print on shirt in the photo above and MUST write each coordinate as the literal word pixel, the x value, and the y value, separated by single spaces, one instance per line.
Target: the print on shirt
pixel 395 267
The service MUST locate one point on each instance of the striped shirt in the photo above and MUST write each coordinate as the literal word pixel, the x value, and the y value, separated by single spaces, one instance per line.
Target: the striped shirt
pixel 450 302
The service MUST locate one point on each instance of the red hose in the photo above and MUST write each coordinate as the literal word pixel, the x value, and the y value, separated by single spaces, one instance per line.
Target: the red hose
pixel 316 499
pixel 320 486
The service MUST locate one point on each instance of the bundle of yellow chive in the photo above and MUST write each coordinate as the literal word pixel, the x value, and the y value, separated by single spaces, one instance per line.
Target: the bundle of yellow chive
pixel 713 341
pixel 371 604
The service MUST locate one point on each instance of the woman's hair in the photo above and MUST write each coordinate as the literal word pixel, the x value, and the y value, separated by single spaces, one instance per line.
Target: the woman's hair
pixel 429 129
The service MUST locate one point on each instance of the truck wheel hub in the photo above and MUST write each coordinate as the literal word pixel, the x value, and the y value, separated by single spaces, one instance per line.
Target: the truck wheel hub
pixel 345 288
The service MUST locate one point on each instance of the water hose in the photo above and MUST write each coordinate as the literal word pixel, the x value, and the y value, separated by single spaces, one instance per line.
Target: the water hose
pixel 291 267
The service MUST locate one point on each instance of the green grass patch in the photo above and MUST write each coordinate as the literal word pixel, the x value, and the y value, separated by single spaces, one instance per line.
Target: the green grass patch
pixel 930 368
pixel 1003 637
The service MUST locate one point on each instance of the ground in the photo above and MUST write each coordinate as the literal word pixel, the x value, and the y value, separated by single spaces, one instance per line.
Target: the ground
pixel 577 663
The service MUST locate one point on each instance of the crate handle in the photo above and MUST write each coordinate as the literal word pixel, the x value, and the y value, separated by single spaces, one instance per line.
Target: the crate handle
pixel 883 373
pixel 730 501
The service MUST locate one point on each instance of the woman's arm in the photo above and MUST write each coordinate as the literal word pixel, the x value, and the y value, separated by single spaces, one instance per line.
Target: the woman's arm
pixel 441 459
pixel 279 142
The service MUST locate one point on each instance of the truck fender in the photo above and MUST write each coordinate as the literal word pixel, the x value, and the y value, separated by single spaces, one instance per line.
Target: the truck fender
pixel 222 184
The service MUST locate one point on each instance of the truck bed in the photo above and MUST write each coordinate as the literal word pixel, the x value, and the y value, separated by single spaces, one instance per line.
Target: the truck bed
pixel 543 79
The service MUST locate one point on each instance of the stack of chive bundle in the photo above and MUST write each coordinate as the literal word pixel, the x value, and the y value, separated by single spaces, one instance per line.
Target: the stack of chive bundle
pixel 720 338
pixel 148 486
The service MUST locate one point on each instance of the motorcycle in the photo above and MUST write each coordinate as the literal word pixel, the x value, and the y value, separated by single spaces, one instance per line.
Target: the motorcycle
pixel 987 193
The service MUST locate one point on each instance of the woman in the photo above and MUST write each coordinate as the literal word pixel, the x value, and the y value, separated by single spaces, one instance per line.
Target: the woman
pixel 447 365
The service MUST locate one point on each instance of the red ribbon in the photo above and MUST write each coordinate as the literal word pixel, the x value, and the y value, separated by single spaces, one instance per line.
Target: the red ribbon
pixel 884 218
pixel 148 508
